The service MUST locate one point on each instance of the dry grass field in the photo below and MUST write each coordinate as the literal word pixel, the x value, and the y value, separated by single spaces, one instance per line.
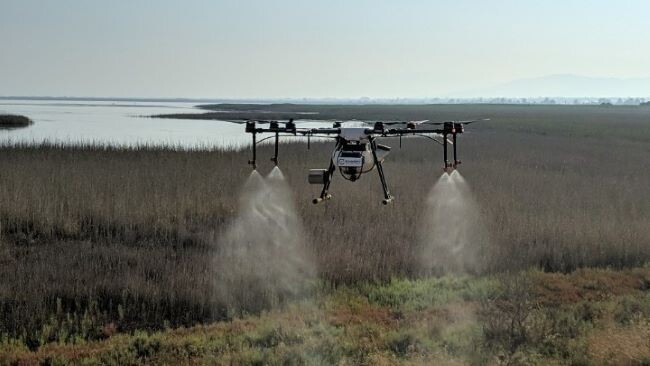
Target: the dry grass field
pixel 103 240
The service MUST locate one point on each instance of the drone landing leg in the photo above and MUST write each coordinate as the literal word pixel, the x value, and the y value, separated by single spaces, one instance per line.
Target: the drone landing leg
pixel 380 169
pixel 324 195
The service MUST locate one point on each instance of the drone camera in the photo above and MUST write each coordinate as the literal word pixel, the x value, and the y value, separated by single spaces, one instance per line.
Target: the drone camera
pixel 351 163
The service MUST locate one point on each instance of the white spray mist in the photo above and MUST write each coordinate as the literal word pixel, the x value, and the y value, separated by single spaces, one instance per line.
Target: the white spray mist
pixel 262 259
pixel 453 236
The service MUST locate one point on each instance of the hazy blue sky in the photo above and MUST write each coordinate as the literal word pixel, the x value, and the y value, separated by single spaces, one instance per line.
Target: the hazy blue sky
pixel 292 48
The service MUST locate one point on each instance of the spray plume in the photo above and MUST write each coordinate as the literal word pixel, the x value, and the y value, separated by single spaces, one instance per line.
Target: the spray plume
pixel 262 259
pixel 453 236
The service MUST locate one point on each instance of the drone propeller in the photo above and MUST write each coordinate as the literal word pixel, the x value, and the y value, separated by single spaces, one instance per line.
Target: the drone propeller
pixel 237 121
pixel 461 122
pixel 391 123
pixel 263 121
pixel 474 121
pixel 242 121
pixel 406 122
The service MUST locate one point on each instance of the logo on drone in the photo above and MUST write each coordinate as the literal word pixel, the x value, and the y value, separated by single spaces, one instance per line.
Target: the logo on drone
pixel 350 162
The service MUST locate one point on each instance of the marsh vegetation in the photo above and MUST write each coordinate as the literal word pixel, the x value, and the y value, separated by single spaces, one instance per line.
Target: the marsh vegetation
pixel 8 121
pixel 97 239
pixel 524 318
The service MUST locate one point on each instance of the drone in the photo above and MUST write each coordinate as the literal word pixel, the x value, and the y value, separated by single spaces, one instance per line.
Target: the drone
pixel 357 151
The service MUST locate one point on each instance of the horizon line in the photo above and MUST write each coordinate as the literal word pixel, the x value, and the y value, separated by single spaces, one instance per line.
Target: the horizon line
pixel 360 98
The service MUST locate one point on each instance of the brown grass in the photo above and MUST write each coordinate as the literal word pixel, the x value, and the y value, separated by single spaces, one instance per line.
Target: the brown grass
pixel 590 285
pixel 621 345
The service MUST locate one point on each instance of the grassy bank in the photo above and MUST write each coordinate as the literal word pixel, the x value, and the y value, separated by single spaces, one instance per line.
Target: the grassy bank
pixel 14 121
pixel 586 317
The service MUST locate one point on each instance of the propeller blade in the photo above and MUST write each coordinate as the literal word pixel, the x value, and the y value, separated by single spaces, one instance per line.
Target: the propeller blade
pixel 391 123
pixel 467 122
pixel 474 121
pixel 388 123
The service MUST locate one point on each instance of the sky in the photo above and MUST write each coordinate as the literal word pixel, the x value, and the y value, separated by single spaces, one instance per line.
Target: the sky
pixel 313 49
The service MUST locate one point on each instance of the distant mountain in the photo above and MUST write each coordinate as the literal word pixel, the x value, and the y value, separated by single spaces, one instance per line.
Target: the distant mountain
pixel 572 86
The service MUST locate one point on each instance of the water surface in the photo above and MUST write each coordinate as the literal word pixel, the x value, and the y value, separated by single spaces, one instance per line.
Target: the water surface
pixel 117 123
pixel 123 123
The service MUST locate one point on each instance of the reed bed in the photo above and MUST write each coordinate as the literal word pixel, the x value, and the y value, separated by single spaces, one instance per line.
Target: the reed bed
pixel 99 238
